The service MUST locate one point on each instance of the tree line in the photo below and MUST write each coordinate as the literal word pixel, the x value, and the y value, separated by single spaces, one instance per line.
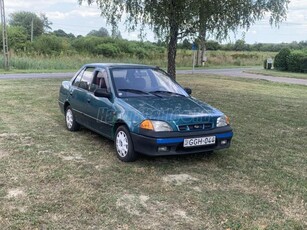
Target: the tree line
pixel 172 21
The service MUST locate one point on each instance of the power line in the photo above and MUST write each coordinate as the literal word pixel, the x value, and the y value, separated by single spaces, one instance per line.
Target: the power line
pixel 4 37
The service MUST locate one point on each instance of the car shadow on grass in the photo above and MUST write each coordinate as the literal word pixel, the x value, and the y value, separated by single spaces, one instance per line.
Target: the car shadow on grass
pixel 155 161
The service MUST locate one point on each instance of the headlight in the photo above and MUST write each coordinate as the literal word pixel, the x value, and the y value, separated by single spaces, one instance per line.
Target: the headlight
pixel 158 126
pixel 222 121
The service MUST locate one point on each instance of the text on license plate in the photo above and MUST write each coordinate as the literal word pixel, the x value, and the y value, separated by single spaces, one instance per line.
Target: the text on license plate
pixel 198 141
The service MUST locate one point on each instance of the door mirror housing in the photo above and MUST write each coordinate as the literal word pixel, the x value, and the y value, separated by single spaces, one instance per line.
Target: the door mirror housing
pixel 102 92
pixel 188 90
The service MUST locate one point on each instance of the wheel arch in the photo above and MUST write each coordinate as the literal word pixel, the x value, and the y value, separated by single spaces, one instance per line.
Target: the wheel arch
pixel 66 104
pixel 117 124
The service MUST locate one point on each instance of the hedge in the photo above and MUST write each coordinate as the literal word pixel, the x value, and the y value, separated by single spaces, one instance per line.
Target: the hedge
pixel 280 61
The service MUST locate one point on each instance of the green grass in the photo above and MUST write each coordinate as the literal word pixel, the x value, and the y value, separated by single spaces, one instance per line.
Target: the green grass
pixel 51 178
pixel 276 73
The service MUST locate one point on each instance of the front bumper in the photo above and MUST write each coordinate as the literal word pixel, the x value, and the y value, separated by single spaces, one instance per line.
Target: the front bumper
pixel 173 142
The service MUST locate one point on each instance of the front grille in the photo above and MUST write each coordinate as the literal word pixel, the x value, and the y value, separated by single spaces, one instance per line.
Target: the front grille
pixel 195 127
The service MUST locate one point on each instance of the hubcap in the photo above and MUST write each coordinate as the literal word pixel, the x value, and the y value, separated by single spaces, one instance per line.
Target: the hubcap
pixel 69 118
pixel 122 144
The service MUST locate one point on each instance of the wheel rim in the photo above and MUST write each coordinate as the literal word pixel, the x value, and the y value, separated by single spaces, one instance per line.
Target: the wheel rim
pixel 122 144
pixel 69 118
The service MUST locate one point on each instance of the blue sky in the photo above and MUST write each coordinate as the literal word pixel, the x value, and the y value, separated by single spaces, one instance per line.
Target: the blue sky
pixel 72 18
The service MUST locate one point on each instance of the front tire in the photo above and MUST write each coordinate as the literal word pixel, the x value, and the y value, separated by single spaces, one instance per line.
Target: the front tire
pixel 124 146
pixel 71 123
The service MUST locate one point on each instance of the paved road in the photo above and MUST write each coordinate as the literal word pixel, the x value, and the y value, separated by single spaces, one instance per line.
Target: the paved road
pixel 234 72
pixel 36 75
pixel 239 72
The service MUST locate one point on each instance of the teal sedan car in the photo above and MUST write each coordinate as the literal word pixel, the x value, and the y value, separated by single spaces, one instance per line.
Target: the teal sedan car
pixel 143 110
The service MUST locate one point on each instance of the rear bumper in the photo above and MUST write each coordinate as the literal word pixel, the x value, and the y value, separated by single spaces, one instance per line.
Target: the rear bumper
pixel 173 142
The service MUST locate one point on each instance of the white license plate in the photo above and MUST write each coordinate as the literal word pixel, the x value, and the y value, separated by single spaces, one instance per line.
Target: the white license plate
pixel 199 141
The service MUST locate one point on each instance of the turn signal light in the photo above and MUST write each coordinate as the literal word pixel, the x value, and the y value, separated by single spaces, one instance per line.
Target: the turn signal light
pixel 227 120
pixel 147 124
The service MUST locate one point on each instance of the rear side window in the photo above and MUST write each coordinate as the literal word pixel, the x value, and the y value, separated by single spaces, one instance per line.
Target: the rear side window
pixel 87 78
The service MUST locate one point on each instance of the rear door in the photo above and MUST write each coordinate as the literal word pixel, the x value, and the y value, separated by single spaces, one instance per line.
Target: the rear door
pixel 79 95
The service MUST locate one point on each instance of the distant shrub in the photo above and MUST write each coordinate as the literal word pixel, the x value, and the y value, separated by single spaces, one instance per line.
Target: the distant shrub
pixel 107 50
pixel 294 60
pixel 51 45
pixel 304 65
pixel 280 61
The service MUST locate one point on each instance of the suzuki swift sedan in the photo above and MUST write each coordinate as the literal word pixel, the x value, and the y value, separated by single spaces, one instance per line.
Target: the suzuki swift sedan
pixel 143 110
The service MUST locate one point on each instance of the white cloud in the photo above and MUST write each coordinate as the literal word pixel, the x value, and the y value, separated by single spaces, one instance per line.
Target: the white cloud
pixel 73 13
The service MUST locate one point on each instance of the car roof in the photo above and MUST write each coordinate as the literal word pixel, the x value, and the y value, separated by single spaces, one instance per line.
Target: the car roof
pixel 119 65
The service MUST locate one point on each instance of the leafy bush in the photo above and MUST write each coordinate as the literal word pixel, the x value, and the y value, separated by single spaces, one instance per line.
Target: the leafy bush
pixel 294 60
pixel 107 50
pixel 51 45
pixel 304 65
pixel 281 58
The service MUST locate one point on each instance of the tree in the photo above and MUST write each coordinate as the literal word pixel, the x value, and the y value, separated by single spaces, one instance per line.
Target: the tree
pixel 102 32
pixel 219 18
pixel 47 24
pixel 116 33
pixel 62 33
pixel 240 45
pixel 175 19
pixel 24 19
pixel 17 38
pixel 169 19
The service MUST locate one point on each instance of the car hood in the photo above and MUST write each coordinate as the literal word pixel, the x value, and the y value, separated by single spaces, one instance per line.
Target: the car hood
pixel 174 108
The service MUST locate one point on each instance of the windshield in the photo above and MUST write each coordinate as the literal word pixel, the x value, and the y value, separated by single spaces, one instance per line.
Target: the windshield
pixel 140 82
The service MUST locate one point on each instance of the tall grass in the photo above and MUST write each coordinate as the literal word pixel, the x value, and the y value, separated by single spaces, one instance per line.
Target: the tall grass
pixel 225 58
pixel 184 59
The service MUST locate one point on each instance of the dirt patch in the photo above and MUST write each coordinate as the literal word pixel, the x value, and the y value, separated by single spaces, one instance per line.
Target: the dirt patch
pixel 3 154
pixel 154 213
pixel 132 204
pixel 179 179
pixel 9 135
pixel 21 209
pixel 19 139
pixel 15 193
pixel 296 210
pixel 73 158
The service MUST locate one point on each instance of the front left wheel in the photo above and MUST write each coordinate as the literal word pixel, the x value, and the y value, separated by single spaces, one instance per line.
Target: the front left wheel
pixel 124 146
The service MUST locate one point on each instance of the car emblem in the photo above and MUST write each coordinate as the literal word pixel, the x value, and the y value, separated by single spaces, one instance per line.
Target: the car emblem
pixel 196 126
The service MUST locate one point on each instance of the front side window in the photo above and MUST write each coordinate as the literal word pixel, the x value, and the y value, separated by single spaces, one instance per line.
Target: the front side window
pixel 100 80
pixel 133 82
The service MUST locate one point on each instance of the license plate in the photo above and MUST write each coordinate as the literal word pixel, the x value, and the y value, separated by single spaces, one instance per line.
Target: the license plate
pixel 199 141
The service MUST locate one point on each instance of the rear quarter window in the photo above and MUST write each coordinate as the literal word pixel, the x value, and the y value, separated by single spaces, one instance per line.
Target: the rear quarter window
pixel 87 78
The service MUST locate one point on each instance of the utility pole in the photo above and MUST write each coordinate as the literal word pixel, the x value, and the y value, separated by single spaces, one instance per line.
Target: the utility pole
pixel 32 25
pixel 4 37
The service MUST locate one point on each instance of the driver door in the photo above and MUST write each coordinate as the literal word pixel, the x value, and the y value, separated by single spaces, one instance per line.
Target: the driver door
pixel 101 110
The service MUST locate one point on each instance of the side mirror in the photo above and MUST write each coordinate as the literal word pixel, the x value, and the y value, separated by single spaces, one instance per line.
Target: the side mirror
pixel 102 92
pixel 188 90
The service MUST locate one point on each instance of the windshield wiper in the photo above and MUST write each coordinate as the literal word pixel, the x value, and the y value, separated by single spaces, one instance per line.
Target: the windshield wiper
pixel 136 91
pixel 166 92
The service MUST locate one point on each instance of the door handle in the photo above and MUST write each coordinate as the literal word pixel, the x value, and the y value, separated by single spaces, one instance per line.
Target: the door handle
pixel 70 92
pixel 88 100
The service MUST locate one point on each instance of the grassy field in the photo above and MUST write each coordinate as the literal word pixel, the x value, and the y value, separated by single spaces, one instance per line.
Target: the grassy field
pixel 54 179
pixel 184 59
pixel 276 73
